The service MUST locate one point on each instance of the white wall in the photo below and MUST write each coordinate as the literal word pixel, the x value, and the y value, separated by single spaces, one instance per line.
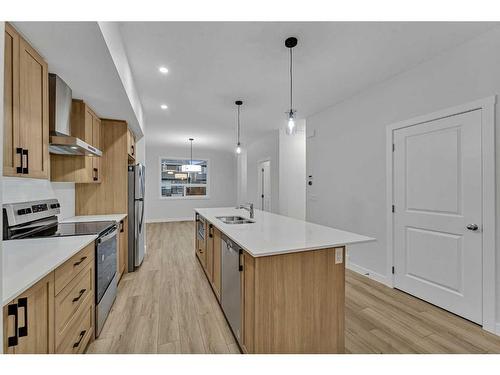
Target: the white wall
pixel 17 189
pixel 292 172
pixel 266 148
pixel 222 183
pixel 241 177
pixel 347 155
pixel 113 38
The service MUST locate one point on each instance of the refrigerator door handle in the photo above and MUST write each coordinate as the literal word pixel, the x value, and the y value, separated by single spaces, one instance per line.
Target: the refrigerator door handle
pixel 142 216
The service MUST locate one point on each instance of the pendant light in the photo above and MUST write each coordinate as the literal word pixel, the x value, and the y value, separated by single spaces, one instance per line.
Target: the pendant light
pixel 291 128
pixel 238 145
pixel 191 167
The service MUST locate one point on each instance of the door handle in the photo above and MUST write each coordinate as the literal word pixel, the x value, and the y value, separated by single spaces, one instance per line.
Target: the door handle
pixel 472 227
pixel 79 262
pixel 26 170
pixel 19 151
pixel 79 295
pixel 13 340
pixel 240 264
pixel 81 336
pixel 23 303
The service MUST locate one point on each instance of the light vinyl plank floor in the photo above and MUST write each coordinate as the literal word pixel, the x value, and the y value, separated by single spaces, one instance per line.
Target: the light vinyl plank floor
pixel 167 306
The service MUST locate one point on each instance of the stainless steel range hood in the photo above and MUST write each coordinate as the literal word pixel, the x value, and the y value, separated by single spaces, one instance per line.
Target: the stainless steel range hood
pixel 61 141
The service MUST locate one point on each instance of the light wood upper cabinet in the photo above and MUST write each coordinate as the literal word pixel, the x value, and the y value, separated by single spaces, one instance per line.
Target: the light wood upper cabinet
pixel 131 144
pixel 80 169
pixel 96 142
pixel 26 118
pixel 111 195
pixel 11 159
pixel 33 332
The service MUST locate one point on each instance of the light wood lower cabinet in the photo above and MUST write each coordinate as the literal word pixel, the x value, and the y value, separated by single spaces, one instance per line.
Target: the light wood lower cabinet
pixel 122 257
pixel 290 303
pixel 28 320
pixel 56 315
pixel 77 296
pixel 217 262
pixel 201 244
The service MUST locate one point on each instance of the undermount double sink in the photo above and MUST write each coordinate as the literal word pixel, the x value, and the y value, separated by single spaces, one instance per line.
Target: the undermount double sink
pixel 235 220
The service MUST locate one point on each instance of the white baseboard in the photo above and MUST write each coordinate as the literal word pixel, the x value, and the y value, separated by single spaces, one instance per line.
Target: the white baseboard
pixel 368 273
pixel 169 220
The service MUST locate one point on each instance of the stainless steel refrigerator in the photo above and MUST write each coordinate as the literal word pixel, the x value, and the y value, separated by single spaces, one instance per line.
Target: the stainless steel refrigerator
pixel 136 190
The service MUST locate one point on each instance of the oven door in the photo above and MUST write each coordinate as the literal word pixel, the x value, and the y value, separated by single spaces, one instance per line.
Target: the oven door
pixel 106 252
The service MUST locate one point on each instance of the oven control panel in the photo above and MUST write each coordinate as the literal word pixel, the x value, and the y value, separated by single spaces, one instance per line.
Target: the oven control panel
pixel 24 212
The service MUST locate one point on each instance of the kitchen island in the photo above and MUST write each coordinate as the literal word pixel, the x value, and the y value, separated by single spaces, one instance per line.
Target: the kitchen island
pixel 280 281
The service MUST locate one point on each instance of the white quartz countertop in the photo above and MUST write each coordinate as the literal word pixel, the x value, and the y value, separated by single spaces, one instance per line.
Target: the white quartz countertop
pixel 25 262
pixel 111 217
pixel 273 234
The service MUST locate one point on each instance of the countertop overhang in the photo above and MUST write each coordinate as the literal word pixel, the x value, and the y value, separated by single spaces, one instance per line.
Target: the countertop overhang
pixel 25 262
pixel 273 234
pixel 83 218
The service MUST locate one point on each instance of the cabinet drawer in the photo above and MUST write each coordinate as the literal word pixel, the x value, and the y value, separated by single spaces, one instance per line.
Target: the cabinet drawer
pixel 80 332
pixel 79 292
pixel 65 273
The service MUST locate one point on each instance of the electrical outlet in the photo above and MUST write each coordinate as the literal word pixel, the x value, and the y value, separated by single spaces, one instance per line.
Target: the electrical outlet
pixel 339 255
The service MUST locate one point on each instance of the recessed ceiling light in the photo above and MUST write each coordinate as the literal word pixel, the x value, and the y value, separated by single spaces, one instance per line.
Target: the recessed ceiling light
pixel 164 106
pixel 163 69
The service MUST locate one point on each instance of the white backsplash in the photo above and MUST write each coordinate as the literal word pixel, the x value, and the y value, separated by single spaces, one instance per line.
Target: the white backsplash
pixel 29 189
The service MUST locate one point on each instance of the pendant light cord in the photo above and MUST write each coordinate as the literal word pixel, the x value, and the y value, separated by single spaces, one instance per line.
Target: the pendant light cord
pixel 291 81
pixel 238 125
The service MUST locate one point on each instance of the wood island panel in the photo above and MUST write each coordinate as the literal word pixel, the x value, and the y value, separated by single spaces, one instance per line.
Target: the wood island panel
pixel 298 303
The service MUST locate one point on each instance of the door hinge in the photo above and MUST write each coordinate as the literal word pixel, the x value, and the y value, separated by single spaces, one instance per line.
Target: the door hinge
pixel 393 208
pixel 393 147
pixel 393 270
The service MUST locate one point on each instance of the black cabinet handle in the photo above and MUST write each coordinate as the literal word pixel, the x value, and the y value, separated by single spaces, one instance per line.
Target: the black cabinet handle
pixel 240 265
pixel 23 303
pixel 122 227
pixel 210 231
pixel 96 174
pixel 79 262
pixel 25 153
pixel 13 340
pixel 79 295
pixel 19 151
pixel 82 335
pixel 132 146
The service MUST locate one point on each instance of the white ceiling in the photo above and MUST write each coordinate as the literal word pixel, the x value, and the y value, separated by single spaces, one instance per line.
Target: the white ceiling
pixel 77 52
pixel 211 64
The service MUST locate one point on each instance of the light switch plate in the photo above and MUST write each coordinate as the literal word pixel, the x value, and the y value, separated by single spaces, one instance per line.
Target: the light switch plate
pixel 339 255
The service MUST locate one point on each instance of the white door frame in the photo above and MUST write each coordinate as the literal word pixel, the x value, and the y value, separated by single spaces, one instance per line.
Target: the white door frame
pixel 487 107
pixel 259 162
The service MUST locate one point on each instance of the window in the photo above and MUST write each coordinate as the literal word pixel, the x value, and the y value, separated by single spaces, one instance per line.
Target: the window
pixel 179 182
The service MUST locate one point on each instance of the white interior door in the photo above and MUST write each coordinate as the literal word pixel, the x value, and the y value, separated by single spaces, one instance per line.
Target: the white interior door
pixel 437 195
pixel 264 183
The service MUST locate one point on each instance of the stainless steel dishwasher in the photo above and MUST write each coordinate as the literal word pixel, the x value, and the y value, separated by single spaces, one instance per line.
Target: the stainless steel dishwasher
pixel 231 292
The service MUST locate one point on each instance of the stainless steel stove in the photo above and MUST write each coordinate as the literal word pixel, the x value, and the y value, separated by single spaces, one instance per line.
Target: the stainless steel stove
pixel 38 219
